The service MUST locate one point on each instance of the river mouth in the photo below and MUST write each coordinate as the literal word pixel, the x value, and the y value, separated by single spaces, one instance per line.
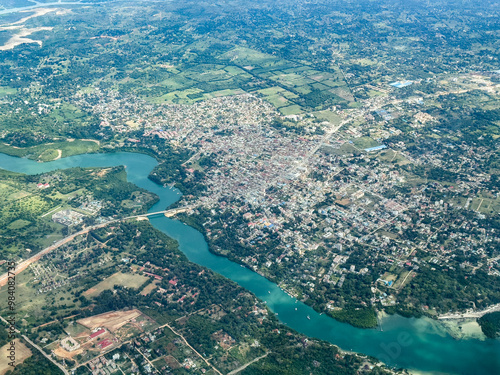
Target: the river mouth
pixel 421 345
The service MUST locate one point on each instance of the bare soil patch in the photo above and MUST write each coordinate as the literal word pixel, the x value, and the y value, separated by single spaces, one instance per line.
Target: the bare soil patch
pixel 22 353
pixel 111 320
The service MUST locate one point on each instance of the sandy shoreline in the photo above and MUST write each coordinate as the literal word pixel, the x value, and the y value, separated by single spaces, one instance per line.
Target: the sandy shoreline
pixel 470 313
pixel 458 328
pixel 463 329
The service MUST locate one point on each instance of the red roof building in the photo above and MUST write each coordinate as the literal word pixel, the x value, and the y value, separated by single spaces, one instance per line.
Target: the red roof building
pixel 105 343
pixel 97 333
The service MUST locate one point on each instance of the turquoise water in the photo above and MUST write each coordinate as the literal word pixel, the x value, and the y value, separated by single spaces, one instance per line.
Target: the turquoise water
pixel 417 344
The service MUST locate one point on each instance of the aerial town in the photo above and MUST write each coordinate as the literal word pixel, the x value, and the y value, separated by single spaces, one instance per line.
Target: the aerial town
pixel 304 195
pixel 265 187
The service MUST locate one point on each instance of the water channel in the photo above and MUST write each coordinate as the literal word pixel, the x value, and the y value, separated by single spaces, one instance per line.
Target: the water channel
pixel 417 344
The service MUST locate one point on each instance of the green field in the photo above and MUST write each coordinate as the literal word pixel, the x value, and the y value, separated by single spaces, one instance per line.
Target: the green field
pixel 392 157
pixel 18 224
pixel 489 206
pixel 278 101
pixel 291 110
pixel 75 329
pixel 49 151
pixel 328 116
pixel 48 155
pixel 5 90
pixel 402 278
pixel 246 56
pixel 365 142
pixel 128 280
pixel 281 82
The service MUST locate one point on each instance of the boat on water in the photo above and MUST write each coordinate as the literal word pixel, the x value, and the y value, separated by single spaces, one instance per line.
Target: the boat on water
pixel 295 309
pixel 308 317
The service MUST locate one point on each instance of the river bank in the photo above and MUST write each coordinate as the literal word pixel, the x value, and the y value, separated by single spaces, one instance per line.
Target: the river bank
pixel 458 328
pixel 463 329
pixel 412 343
pixel 470 313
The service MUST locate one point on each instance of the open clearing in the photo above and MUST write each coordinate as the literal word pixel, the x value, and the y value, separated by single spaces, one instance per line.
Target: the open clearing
pixel 148 289
pixel 125 279
pixel 55 150
pixel 111 320
pixel 22 352
pixel 60 352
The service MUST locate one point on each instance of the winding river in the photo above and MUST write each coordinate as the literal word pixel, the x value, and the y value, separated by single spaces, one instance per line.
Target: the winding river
pixel 420 345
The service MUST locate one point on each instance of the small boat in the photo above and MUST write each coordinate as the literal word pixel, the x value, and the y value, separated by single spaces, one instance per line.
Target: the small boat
pixel 269 291
pixel 308 317
pixel 295 309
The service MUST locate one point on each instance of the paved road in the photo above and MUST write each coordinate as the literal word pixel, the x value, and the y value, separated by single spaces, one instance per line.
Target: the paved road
pixel 247 364
pixel 25 264
pixel 471 314
pixel 193 349
pixel 66 372
pixel 326 137
pixel 39 349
